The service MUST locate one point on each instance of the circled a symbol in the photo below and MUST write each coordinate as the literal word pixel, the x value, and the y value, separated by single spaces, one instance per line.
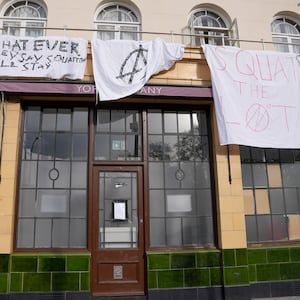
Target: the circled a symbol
pixel 257 118
pixel 179 175
pixel 53 174
pixel 133 64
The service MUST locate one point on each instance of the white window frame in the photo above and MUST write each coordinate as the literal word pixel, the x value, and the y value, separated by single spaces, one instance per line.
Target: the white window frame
pixel 222 30
pixel 117 30
pixel 23 26
pixel 282 37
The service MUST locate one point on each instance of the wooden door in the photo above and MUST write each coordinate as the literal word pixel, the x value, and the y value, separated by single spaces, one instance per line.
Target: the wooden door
pixel 118 231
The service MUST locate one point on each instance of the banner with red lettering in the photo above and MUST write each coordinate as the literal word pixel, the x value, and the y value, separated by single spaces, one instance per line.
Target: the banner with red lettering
pixel 122 67
pixel 256 95
pixel 44 57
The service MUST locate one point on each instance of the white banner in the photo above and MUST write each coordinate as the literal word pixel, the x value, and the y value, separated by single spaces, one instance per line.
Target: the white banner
pixel 50 57
pixel 256 95
pixel 122 67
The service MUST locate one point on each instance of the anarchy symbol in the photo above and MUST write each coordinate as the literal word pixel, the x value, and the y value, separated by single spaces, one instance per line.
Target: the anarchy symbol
pixel 139 63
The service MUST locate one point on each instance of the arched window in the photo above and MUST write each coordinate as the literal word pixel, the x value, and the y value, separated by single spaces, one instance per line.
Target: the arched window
pixel 24 18
pixel 117 22
pixel 210 27
pixel 286 30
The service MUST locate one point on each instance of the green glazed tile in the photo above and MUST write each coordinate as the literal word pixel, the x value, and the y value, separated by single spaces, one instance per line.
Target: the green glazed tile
pixel 252 273
pixel 170 279
pixel 78 263
pixel 295 254
pixel 152 279
pixel 267 272
pixel 24 264
pixel 289 271
pixel 236 276
pixel 3 283
pixel 4 263
pixel 158 261
pixel 257 256
pixel 85 281
pixel 209 259
pixel 37 282
pixel 241 257
pixel 183 260
pixel 216 276
pixel 65 281
pixel 196 277
pixel 229 257
pixel 51 264
pixel 278 255
pixel 16 282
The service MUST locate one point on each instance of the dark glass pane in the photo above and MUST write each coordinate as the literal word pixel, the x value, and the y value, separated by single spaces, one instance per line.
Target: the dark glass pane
pixel 80 119
pixel 155 147
pixel 264 226
pixel 280 227
pixel 290 175
pixel 155 122
pixel 193 233
pixel 28 174
pixel 25 233
pixel 43 231
pixel 245 154
pixel 203 174
pixel 185 147
pixel 259 175
pixel 157 203
pixel 174 232
pixel 46 143
pixel 79 146
pixel 258 155
pixel 133 147
pixel 118 121
pixel 170 123
pixel 297 155
pixel 247 175
pixel 184 123
pixel 102 147
pixel 32 119
pixel 63 120
pixel 156 175
pixel 157 232
pixel 291 201
pixel 27 203
pixel 63 180
pixel 251 229
pixel 63 146
pixel 203 203
pixel 272 155
pixel 49 119
pixel 79 175
pixel 78 233
pixel 60 235
pixel 103 121
pixel 78 204
pixel 286 156
pixel 276 201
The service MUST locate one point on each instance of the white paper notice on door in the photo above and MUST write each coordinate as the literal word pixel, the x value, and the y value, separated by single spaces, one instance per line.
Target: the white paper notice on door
pixel 120 210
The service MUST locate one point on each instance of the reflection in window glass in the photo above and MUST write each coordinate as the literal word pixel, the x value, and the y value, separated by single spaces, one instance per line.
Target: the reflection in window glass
pixel 181 207
pixel 53 180
pixel 271 193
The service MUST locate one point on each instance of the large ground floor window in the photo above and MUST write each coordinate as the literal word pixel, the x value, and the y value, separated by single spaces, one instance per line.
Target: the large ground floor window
pixel 171 146
pixel 272 193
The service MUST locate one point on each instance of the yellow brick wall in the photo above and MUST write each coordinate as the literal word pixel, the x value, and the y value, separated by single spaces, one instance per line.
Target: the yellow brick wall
pixel 8 175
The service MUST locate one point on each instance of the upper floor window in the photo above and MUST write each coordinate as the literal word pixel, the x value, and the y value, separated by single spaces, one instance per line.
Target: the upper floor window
pixel 287 32
pixel 24 18
pixel 117 22
pixel 210 27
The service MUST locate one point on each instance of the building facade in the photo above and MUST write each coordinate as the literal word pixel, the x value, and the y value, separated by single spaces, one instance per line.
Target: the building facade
pixel 136 197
